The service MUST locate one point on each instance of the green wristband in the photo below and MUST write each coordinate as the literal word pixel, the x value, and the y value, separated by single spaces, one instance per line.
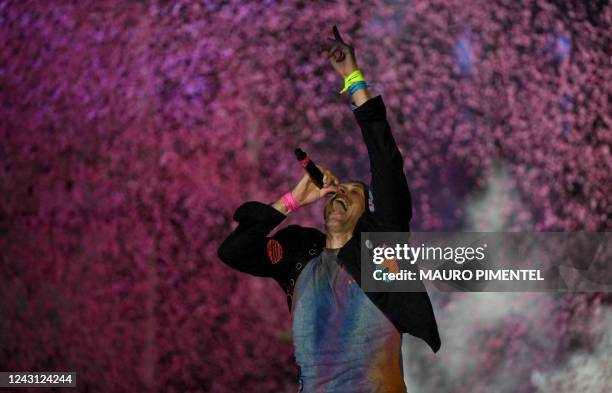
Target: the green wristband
pixel 353 77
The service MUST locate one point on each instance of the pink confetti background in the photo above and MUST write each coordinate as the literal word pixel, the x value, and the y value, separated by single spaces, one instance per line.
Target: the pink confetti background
pixel 131 130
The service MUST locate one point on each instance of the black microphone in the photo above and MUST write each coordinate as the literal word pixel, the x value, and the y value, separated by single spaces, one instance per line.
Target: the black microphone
pixel 315 173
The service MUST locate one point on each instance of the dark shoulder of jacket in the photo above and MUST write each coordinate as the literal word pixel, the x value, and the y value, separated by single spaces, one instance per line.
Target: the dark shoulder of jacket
pixel 257 210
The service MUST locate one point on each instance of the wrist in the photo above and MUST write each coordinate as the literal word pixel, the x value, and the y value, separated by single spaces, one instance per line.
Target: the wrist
pixel 289 202
pixel 344 76
pixel 360 96
pixel 278 205
pixel 353 78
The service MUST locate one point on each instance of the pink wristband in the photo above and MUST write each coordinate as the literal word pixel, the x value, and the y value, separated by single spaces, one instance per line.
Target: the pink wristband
pixel 289 201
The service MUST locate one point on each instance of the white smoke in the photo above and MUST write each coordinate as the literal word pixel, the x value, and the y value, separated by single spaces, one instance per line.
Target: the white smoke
pixel 462 320
pixel 460 323
pixel 486 212
pixel 584 372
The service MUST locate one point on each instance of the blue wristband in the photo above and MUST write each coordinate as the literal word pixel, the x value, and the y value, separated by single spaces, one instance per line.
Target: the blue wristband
pixel 356 86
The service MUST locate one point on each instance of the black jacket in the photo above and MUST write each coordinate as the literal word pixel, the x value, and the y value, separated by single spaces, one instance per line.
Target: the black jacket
pixel 284 255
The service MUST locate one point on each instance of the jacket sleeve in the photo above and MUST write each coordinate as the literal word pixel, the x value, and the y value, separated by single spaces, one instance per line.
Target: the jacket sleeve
pixel 249 249
pixel 392 200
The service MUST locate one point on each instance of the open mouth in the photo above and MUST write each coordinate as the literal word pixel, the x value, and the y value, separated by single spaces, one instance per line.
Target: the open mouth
pixel 343 202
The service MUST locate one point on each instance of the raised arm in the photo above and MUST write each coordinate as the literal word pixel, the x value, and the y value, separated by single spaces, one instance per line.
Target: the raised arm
pixel 392 199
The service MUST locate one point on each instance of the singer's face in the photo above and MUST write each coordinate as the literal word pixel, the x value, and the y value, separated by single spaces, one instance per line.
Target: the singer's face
pixel 344 209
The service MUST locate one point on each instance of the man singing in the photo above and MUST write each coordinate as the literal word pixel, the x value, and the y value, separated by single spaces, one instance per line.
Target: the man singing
pixel 345 340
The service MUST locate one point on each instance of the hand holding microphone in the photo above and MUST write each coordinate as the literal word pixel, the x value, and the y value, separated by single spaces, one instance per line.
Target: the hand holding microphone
pixel 311 169
pixel 306 192
pixel 314 171
pixel 316 183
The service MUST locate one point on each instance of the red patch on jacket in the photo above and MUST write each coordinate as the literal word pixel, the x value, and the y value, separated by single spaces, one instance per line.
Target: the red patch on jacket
pixel 275 251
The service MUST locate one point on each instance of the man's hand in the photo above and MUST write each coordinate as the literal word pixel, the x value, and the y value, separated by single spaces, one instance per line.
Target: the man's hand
pixel 340 54
pixel 306 192
pixel 342 58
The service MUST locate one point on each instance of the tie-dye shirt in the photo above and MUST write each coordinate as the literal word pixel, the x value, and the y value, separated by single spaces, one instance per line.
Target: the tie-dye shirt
pixel 343 342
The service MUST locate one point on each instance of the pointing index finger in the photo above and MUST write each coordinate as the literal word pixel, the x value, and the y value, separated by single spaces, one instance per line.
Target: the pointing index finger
pixel 337 34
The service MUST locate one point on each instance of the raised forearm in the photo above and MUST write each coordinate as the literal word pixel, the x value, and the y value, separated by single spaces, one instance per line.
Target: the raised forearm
pixel 389 187
pixel 306 192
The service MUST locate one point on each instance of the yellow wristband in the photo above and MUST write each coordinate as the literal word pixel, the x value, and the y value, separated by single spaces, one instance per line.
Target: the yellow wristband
pixel 353 77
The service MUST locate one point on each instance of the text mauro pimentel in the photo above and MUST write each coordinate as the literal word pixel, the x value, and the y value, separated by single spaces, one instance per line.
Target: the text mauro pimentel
pixel 459 255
